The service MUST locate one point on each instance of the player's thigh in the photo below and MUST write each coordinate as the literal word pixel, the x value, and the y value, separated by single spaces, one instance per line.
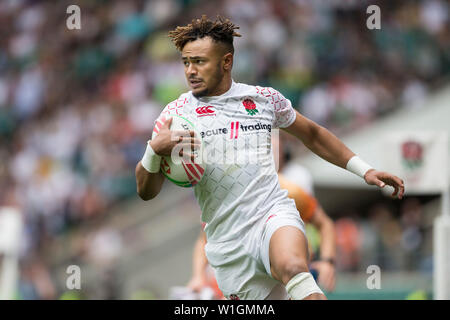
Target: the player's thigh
pixel 288 251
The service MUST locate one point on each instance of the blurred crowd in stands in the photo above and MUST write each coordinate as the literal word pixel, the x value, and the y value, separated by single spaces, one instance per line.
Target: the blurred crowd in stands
pixel 77 106
pixel 392 238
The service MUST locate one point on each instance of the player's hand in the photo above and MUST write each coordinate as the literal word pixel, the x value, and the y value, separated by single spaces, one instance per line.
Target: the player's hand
pixel 196 284
pixel 327 274
pixel 380 179
pixel 167 139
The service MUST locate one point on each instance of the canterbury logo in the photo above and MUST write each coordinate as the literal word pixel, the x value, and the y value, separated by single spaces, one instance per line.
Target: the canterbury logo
pixel 205 111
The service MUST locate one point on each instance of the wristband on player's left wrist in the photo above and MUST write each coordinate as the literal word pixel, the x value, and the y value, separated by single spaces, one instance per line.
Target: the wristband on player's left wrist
pixel 358 166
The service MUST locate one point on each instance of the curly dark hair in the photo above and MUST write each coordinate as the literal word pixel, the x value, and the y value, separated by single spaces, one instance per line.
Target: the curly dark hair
pixel 221 30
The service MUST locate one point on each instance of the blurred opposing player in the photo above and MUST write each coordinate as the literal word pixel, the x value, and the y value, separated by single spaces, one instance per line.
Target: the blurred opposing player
pixel 256 240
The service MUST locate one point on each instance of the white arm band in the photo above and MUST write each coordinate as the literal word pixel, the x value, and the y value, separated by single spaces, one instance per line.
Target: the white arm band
pixel 358 166
pixel 151 161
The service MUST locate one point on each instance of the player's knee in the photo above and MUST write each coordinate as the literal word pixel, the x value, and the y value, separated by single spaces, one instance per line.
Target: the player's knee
pixel 291 268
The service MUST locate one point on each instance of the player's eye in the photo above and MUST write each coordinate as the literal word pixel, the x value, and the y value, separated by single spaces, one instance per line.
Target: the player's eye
pixel 186 63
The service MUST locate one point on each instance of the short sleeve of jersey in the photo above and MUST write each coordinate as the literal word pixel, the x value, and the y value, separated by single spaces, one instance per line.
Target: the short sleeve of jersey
pixel 284 113
pixel 158 123
pixel 174 107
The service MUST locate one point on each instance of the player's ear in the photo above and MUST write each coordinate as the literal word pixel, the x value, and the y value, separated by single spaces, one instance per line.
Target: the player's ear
pixel 227 61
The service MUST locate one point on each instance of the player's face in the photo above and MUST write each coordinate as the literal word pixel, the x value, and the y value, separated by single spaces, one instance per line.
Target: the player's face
pixel 203 66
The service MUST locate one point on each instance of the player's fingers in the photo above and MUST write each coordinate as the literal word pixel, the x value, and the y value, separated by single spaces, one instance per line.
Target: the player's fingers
pixel 375 178
pixel 332 281
pixel 190 145
pixel 191 140
pixel 327 279
pixel 187 155
pixel 393 180
pixel 332 284
pixel 395 191
pixel 185 147
pixel 182 133
pixel 397 180
pixel 176 136
pixel 402 191
pixel 379 183
pixel 167 123
pixel 185 139
pixel 322 278
pixel 195 146
pixel 326 283
pixel 398 185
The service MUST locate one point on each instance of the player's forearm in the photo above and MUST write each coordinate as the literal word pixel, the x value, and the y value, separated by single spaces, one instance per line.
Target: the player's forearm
pixel 327 146
pixel 199 261
pixel 148 184
pixel 328 240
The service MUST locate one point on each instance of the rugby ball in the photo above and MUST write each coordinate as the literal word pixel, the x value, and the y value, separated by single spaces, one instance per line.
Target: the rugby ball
pixel 182 172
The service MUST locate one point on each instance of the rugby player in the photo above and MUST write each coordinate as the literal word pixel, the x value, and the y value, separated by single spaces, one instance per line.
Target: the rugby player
pixel 256 240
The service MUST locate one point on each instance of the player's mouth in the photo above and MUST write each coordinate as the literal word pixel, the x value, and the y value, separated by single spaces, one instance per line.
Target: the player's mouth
pixel 195 83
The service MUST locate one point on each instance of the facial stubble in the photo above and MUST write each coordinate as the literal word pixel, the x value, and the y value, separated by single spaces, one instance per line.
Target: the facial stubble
pixel 217 78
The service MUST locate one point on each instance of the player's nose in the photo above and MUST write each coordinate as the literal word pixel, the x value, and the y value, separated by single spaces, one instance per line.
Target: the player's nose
pixel 191 70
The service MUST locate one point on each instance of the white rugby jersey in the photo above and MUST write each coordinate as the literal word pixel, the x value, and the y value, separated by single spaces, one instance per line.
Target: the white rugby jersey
pixel 240 184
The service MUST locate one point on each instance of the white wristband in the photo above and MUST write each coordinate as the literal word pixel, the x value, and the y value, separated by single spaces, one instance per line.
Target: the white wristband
pixel 151 161
pixel 358 166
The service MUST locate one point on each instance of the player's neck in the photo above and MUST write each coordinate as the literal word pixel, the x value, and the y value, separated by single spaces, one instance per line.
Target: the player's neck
pixel 223 87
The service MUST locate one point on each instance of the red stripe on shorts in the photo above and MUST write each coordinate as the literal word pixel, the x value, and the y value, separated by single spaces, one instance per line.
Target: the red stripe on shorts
pixel 271 216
